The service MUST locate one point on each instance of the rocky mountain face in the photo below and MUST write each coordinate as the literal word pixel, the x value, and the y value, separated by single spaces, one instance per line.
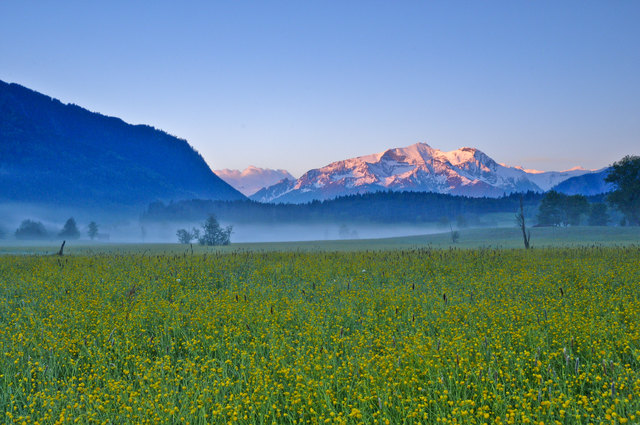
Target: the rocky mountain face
pixel 419 167
pixel 58 154
pixel 252 179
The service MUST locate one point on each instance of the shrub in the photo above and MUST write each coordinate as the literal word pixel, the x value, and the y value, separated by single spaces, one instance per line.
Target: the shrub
pixel 30 229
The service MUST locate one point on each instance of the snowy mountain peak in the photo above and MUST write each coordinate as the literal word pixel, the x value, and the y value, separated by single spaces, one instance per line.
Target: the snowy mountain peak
pixel 252 179
pixel 419 167
pixel 421 152
pixel 578 168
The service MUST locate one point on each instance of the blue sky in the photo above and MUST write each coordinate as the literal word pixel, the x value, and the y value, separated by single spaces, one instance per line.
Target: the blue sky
pixel 298 84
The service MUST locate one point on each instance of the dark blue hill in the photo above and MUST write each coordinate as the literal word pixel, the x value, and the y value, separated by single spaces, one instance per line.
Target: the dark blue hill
pixel 586 184
pixel 65 155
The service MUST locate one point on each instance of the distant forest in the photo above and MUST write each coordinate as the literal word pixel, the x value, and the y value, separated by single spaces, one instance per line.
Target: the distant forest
pixel 380 207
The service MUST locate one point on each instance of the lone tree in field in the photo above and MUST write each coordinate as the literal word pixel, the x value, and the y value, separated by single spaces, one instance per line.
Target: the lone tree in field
pixel 213 234
pixel 70 230
pixel 526 234
pixel 92 231
pixel 625 175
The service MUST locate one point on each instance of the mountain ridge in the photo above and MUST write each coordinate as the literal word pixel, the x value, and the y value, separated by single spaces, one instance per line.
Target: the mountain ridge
pixel 588 184
pixel 252 178
pixel 419 167
pixel 63 154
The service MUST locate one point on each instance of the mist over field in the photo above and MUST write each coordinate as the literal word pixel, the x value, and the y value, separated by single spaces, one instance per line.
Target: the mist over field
pixel 296 232
pixel 119 228
pixel 126 226
pixel 120 223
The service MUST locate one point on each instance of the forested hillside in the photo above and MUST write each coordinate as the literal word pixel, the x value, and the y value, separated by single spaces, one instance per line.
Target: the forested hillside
pixel 382 207
pixel 63 154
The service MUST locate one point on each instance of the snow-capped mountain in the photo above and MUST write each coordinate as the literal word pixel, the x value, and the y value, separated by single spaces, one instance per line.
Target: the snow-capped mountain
pixel 252 178
pixel 419 167
pixel 269 194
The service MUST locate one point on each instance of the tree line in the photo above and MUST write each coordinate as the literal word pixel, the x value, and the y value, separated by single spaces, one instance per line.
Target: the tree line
pixel 553 208
pixel 377 207
pixel 34 230
pixel 558 209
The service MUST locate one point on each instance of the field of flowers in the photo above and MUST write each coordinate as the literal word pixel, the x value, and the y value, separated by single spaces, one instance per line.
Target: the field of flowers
pixel 418 336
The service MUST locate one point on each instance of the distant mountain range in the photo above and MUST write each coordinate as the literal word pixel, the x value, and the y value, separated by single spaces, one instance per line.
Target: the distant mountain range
pixel 252 179
pixel 62 154
pixel 587 184
pixel 420 168
pixel 59 154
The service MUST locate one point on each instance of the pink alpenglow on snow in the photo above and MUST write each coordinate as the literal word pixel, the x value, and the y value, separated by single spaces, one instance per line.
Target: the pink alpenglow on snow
pixel 419 167
pixel 252 179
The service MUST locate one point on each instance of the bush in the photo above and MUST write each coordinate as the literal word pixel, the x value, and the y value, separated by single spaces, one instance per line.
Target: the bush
pixel 30 229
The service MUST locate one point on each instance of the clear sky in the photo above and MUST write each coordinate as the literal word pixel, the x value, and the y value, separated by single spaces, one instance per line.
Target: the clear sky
pixel 298 84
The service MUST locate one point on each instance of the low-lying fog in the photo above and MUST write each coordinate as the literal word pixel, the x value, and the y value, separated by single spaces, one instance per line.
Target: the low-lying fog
pixel 296 232
pixel 128 230
pixel 125 227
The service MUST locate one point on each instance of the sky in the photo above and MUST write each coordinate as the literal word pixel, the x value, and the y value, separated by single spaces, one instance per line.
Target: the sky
pixel 296 85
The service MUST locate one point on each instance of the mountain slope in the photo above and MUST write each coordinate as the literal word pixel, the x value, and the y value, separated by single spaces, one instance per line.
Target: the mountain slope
pixel 548 179
pixel 586 184
pixel 252 179
pixel 419 167
pixel 63 154
pixel 275 191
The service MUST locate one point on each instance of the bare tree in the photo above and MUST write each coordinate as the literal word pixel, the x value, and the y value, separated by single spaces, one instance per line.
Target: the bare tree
pixel 526 234
pixel 61 248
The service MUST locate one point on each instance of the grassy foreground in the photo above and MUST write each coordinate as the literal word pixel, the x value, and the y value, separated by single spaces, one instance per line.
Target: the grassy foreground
pixel 407 336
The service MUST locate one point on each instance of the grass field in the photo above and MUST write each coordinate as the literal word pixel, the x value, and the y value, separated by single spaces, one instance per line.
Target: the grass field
pixel 549 335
